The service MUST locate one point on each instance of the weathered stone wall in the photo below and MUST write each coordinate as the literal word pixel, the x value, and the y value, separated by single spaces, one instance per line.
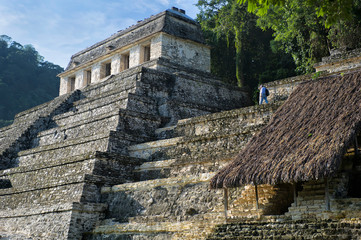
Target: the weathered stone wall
pixel 185 52
pixel 45 192
pixel 281 89
pixel 173 195
pixel 178 98
pixel 36 225
pixel 34 221
pixel 340 60
pixel 328 230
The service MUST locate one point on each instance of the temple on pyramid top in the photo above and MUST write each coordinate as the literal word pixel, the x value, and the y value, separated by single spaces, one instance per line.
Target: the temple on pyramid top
pixel 166 41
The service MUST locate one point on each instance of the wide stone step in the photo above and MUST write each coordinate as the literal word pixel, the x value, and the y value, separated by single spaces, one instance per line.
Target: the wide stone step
pixel 69 170
pixel 88 111
pixel 122 81
pixel 4 132
pixel 105 142
pixel 127 121
pixel 51 194
pixel 184 230
pixel 82 128
pixel 226 121
pixel 25 120
pixel 215 216
pixel 146 150
pixel 142 104
pixel 154 170
pixel 104 97
pixel 165 132
pixel 29 218
pixel 287 230
pixel 143 185
pixel 309 202
pixel 73 147
pixel 308 209
pixel 319 192
pixel 183 198
pixel 243 214
pixel 195 149
pixel 177 167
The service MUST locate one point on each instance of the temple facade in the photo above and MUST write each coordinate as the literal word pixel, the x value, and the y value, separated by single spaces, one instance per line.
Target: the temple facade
pixel 170 35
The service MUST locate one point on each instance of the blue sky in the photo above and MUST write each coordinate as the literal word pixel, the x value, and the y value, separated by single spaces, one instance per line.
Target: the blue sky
pixel 59 28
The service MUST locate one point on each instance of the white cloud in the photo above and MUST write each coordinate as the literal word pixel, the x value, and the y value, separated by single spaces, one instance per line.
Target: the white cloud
pixel 8 18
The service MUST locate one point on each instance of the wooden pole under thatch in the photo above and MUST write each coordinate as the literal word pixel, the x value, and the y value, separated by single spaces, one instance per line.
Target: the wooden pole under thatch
pixel 225 196
pixel 255 189
pixel 356 146
pixel 295 193
pixel 327 195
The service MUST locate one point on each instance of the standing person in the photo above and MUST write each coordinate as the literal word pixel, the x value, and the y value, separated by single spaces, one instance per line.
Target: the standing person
pixel 263 94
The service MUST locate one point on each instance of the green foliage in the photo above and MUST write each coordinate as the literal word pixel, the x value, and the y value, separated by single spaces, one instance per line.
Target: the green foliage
pixel 242 53
pixel 332 11
pixel 26 80
pixel 307 29
pixel 299 31
pixel 346 33
pixel 316 75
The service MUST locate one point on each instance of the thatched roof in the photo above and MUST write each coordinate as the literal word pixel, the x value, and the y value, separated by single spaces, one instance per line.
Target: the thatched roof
pixel 306 137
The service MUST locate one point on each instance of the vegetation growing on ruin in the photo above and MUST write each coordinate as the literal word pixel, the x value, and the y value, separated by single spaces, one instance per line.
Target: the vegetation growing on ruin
pixel 26 79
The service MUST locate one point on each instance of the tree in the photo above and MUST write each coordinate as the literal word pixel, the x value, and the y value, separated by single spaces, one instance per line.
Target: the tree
pixel 332 11
pixel 310 29
pixel 241 51
pixel 26 80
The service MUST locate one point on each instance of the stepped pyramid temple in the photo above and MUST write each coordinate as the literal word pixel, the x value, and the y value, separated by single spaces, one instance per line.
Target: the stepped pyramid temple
pixel 144 143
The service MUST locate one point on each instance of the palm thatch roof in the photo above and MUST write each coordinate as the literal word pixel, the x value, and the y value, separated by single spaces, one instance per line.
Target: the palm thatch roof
pixel 306 137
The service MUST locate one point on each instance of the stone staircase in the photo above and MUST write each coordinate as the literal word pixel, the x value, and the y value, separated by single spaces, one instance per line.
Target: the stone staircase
pixel 65 162
pixel 306 229
pixel 170 198
pixel 26 124
pixel 310 201
pixel 69 149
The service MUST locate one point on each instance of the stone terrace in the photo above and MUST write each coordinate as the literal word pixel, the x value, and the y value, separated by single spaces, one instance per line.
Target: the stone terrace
pixel 171 199
pixel 127 158
pixel 172 196
pixel 58 156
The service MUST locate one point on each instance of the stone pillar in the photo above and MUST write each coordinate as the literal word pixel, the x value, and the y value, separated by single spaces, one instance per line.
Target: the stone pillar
pixel 96 73
pixel 115 64
pixel 63 86
pixel 156 47
pixel 79 78
pixel 134 57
